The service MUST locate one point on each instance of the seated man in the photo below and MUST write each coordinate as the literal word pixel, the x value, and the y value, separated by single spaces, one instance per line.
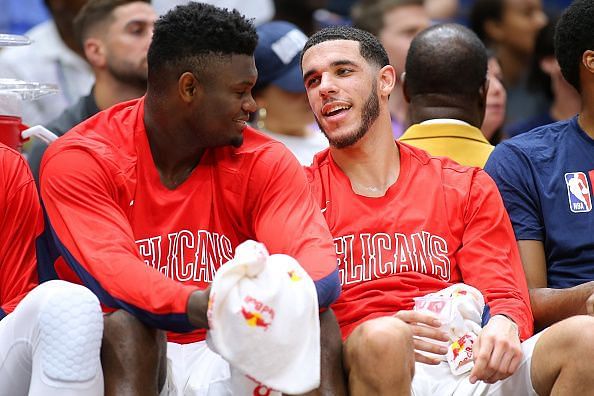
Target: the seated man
pixel 147 199
pixel 50 335
pixel 406 224
pixel 448 110
pixel 545 178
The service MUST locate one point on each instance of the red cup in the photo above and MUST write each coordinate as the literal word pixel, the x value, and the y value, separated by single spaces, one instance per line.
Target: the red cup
pixel 10 131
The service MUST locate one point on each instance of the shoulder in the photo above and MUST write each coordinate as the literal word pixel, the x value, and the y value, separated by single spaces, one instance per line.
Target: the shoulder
pixel 107 137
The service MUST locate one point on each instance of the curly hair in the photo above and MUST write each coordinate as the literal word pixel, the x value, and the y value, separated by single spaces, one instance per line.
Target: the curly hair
pixel 574 36
pixel 446 59
pixel 188 36
pixel 369 46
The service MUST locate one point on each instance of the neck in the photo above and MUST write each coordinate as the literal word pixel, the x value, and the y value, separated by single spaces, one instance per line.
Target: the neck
pixel 398 106
pixel 108 91
pixel 566 101
pixel 173 157
pixel 423 110
pixel 373 163
pixel 513 65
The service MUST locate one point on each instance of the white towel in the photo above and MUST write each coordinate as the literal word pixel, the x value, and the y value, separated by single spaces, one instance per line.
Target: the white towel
pixel 263 318
pixel 460 308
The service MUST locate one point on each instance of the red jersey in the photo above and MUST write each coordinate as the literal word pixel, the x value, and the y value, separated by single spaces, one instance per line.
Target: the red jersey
pixel 145 248
pixel 440 223
pixel 22 222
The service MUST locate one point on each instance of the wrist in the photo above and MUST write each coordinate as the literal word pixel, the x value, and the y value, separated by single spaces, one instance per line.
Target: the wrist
pixel 513 322
pixel 198 307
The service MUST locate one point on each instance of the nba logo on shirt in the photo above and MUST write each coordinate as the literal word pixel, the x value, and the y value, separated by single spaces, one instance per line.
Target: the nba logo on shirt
pixel 580 199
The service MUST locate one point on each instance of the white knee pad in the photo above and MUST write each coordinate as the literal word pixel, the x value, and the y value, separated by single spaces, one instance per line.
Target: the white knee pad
pixel 70 331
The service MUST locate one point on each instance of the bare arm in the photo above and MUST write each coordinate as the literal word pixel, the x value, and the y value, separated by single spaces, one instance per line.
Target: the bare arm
pixel 551 305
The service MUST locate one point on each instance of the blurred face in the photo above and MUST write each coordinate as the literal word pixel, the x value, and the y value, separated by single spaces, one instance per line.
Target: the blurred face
pixel 222 113
pixel 401 25
pixel 520 23
pixel 127 41
pixel 496 100
pixel 342 90
pixel 287 113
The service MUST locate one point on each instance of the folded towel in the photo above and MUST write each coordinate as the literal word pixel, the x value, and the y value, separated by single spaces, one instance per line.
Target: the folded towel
pixel 263 318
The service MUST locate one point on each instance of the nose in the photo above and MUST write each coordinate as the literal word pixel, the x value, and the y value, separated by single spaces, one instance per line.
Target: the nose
pixel 541 19
pixel 249 105
pixel 327 85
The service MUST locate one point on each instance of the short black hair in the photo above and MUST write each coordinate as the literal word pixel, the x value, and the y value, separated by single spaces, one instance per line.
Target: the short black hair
pixel 573 37
pixel 189 35
pixel 95 12
pixel 369 14
pixel 446 59
pixel 483 11
pixel 369 46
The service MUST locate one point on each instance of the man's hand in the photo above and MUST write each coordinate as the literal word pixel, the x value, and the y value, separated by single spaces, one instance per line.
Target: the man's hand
pixel 590 303
pixel 497 351
pixel 427 326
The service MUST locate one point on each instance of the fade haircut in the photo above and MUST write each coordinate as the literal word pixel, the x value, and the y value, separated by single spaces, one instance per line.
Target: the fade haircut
pixel 369 14
pixel 573 37
pixel 95 13
pixel 446 59
pixel 188 37
pixel 369 46
pixel 483 11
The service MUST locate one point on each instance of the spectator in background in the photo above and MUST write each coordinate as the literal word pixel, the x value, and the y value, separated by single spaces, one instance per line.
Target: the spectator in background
pixel 442 10
pixel 395 23
pixel 283 111
pixel 494 120
pixel 545 75
pixel 299 12
pixel 509 28
pixel 115 36
pixel 447 111
pixel 54 57
pixel 545 177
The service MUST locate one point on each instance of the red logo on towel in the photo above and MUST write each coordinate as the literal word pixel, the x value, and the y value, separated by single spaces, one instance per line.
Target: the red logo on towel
pixel 256 313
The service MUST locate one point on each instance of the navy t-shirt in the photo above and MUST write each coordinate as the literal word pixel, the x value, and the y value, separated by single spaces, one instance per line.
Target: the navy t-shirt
pixel 545 177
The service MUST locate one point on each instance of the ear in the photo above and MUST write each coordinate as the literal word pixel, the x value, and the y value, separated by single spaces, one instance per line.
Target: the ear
pixel 189 88
pixel 588 61
pixel 483 91
pixel 386 80
pixel 548 64
pixel 404 87
pixel 95 52
pixel 493 30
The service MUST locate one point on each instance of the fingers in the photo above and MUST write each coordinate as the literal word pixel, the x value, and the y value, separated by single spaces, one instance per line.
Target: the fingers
pixel 427 346
pixel 410 316
pixel 495 359
pixel 419 357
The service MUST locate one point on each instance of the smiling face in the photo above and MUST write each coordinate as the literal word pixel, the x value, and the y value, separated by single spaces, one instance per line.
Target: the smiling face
pixel 226 103
pixel 342 90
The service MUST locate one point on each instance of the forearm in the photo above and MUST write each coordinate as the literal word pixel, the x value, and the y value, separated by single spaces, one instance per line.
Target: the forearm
pixel 198 307
pixel 552 305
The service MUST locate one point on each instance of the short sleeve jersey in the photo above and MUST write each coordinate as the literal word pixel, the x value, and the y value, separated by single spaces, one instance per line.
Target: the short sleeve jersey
pixel 21 222
pixel 145 248
pixel 545 177
pixel 440 223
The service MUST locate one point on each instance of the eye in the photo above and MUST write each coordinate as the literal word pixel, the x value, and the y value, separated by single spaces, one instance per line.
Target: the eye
pixel 312 81
pixel 343 71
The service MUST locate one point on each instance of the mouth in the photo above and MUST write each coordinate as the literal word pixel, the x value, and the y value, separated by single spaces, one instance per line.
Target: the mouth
pixel 335 108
